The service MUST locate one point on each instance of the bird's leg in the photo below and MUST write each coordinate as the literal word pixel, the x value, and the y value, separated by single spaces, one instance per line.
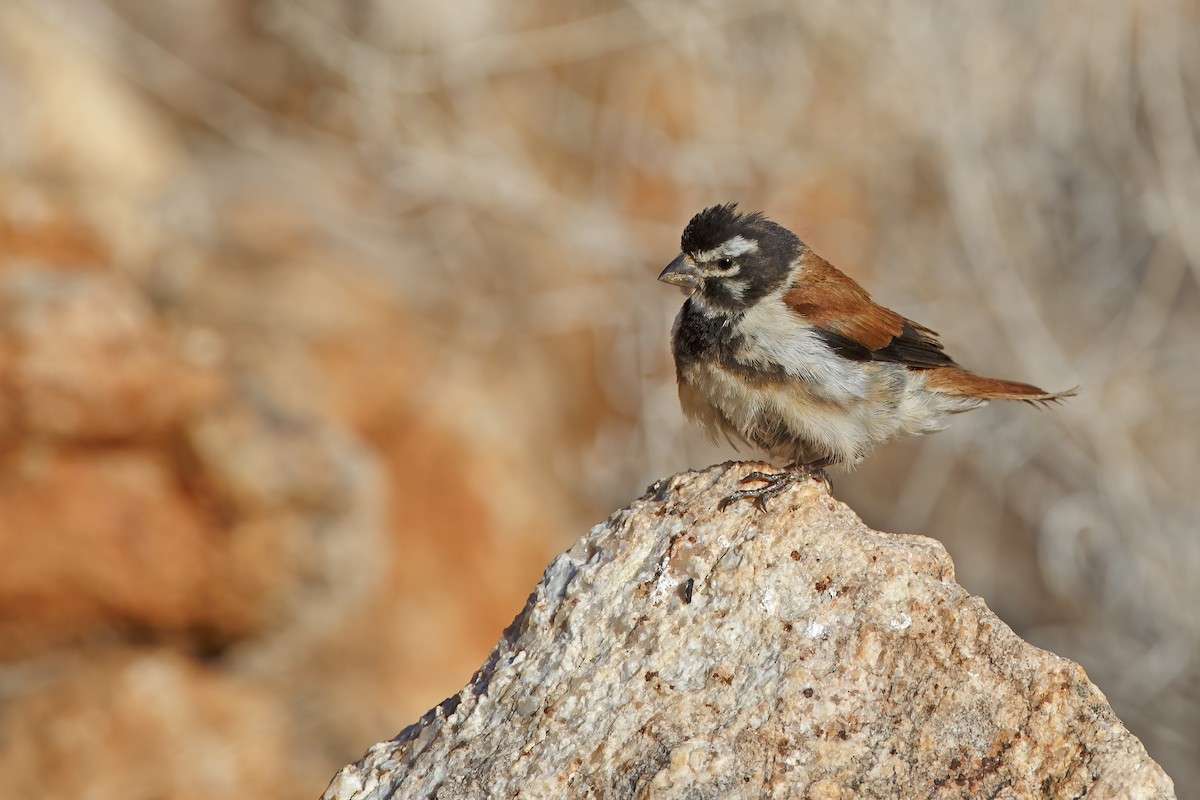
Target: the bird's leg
pixel 779 482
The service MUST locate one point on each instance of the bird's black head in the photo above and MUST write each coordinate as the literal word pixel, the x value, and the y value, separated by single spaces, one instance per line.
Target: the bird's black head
pixel 730 260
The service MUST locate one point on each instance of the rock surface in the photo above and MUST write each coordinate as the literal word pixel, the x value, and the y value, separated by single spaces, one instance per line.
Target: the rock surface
pixel 677 651
pixel 203 733
pixel 147 491
pixel 83 357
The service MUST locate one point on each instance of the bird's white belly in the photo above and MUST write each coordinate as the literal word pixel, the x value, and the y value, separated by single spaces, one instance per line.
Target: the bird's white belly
pixel 797 419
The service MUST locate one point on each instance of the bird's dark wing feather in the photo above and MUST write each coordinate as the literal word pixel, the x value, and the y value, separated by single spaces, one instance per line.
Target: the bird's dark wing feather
pixel 853 326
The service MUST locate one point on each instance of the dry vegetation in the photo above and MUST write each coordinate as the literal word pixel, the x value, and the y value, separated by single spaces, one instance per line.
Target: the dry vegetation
pixel 443 222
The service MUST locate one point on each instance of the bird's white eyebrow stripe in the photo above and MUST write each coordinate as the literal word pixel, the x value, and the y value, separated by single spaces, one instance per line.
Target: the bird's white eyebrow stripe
pixel 737 246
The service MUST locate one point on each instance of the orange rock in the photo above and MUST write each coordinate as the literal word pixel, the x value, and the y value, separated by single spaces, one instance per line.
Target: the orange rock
pixel 149 724
pixel 101 542
pixel 84 357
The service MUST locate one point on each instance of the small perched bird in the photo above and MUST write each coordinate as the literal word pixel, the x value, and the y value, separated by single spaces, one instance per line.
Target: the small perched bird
pixel 776 348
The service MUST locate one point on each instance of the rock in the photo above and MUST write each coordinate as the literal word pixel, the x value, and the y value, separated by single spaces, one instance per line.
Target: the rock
pixel 678 651
pixel 200 733
pixel 85 357
pixel 147 489
pixel 100 541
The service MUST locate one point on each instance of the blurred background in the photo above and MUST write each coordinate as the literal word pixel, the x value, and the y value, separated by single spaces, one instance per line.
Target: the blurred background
pixel 324 326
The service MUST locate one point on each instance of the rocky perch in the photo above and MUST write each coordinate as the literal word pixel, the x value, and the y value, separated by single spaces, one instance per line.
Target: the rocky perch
pixel 678 651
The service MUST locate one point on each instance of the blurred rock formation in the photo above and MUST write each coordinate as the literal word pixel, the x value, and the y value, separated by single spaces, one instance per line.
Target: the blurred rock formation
pixel 186 523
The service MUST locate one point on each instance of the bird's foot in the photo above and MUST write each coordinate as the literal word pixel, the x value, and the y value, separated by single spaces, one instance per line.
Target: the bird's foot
pixel 777 483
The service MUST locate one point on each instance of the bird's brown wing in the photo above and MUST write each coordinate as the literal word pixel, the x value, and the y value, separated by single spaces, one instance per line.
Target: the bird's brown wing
pixel 853 326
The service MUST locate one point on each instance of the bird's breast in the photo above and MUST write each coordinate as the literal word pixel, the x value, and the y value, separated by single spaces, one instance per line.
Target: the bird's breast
pixel 699 335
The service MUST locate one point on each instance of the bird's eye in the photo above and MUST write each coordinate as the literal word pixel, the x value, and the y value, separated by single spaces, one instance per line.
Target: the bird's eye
pixel 725 263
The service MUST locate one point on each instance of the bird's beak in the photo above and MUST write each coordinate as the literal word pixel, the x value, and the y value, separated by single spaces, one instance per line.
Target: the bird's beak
pixel 681 273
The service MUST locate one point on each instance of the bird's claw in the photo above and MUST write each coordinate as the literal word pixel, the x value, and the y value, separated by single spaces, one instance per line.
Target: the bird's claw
pixel 775 484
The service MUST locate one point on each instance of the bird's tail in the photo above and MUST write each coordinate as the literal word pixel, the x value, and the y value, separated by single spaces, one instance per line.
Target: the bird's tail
pixel 961 383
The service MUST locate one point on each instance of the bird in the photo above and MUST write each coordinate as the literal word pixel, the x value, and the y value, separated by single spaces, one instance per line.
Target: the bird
pixel 775 348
